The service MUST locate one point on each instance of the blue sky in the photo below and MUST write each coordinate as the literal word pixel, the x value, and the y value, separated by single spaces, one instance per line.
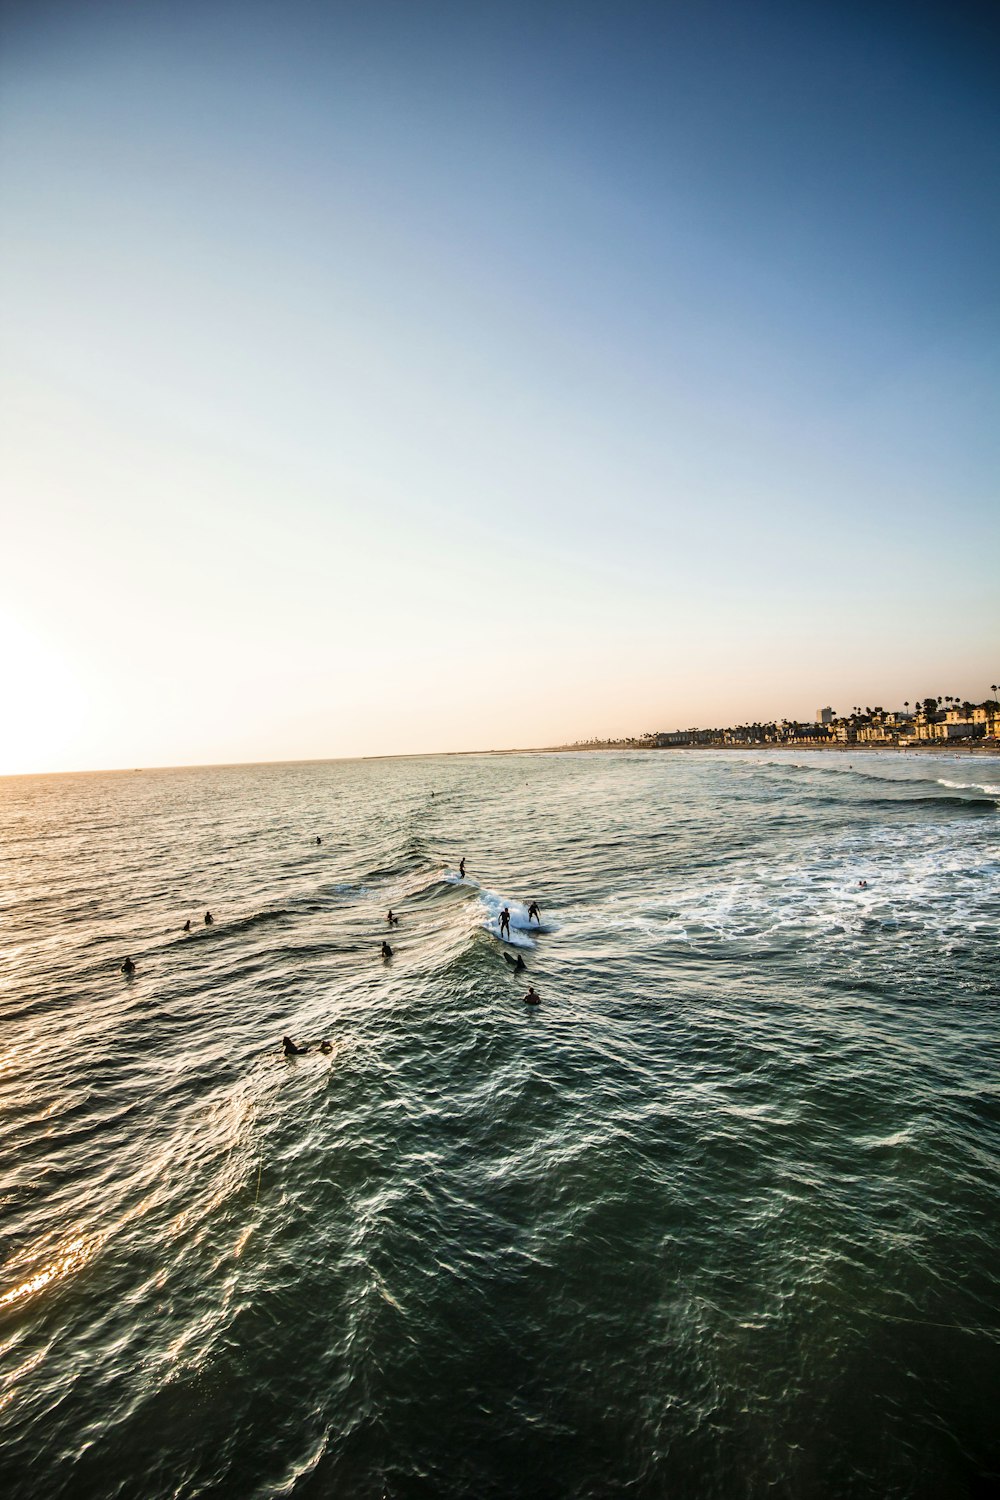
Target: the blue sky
pixel 384 378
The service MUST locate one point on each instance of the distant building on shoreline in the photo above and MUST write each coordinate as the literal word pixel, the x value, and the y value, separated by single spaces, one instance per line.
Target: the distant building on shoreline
pixel 930 719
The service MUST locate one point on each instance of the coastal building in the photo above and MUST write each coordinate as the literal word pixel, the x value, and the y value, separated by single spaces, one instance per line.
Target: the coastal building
pixel 929 720
pixel 797 731
pixel 690 737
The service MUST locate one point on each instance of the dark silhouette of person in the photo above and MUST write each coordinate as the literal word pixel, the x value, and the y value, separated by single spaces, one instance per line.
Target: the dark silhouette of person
pixel 392 921
pixel 386 950
pixel 533 913
pixel 289 1048
pixel 128 967
pixel 325 1046
pixel 461 868
pixel 517 964
pixel 209 919
pixel 318 839
pixel 187 926
pixel 505 922
pixel 531 998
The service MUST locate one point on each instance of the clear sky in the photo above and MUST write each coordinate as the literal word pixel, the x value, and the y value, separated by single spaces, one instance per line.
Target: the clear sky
pixel 390 377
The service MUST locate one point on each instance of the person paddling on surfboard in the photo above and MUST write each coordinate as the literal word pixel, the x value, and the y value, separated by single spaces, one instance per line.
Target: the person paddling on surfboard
pixel 517 964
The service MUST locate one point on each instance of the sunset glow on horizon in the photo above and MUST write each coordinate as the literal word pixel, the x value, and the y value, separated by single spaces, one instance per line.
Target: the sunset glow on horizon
pixel 382 379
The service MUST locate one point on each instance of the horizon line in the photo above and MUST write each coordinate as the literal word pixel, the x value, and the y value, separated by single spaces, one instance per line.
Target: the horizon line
pixel 306 760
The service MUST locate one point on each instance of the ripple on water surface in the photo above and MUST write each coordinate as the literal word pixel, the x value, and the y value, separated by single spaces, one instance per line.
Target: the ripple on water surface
pixel 717 1219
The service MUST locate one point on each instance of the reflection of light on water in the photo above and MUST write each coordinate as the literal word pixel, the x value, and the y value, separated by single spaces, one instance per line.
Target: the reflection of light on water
pixel 70 1259
pixel 227 1126
pixel 16 1378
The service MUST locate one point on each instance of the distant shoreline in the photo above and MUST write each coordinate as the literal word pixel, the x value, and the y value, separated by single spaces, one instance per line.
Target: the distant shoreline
pixel 963 747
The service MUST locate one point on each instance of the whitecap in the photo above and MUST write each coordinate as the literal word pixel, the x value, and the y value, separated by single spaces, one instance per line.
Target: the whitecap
pixel 521 924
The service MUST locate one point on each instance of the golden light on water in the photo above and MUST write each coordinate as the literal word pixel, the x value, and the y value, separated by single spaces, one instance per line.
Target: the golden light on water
pixel 68 1260
pixel 15 1378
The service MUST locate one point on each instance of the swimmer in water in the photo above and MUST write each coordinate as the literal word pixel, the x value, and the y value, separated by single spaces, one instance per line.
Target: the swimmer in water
pixel 531 998
pixel 386 950
pixel 318 839
pixel 209 919
pixel 187 926
pixel 533 913
pixel 392 921
pixel 289 1048
pixel 128 967
pixel 505 921
pixel 461 868
pixel 326 1046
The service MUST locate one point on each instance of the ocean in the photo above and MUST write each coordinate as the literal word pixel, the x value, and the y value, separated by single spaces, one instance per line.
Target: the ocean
pixel 719 1218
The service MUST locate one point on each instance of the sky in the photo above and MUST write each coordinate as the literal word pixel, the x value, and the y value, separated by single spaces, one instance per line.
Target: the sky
pixel 387 378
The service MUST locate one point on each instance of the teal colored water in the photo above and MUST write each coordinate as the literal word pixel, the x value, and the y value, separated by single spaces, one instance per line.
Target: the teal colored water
pixel 718 1219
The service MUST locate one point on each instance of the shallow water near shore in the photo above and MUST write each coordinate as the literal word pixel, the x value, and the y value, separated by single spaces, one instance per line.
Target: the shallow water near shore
pixel 718 1219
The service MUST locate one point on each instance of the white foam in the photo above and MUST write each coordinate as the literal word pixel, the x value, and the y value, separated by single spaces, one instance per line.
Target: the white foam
pixel 520 923
pixel 921 878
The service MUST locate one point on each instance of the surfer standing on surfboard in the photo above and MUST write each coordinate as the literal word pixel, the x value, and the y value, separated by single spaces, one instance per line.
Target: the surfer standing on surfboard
pixel 533 913
pixel 505 922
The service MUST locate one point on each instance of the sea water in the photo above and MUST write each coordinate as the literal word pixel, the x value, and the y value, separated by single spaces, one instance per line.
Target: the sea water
pixel 717 1219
